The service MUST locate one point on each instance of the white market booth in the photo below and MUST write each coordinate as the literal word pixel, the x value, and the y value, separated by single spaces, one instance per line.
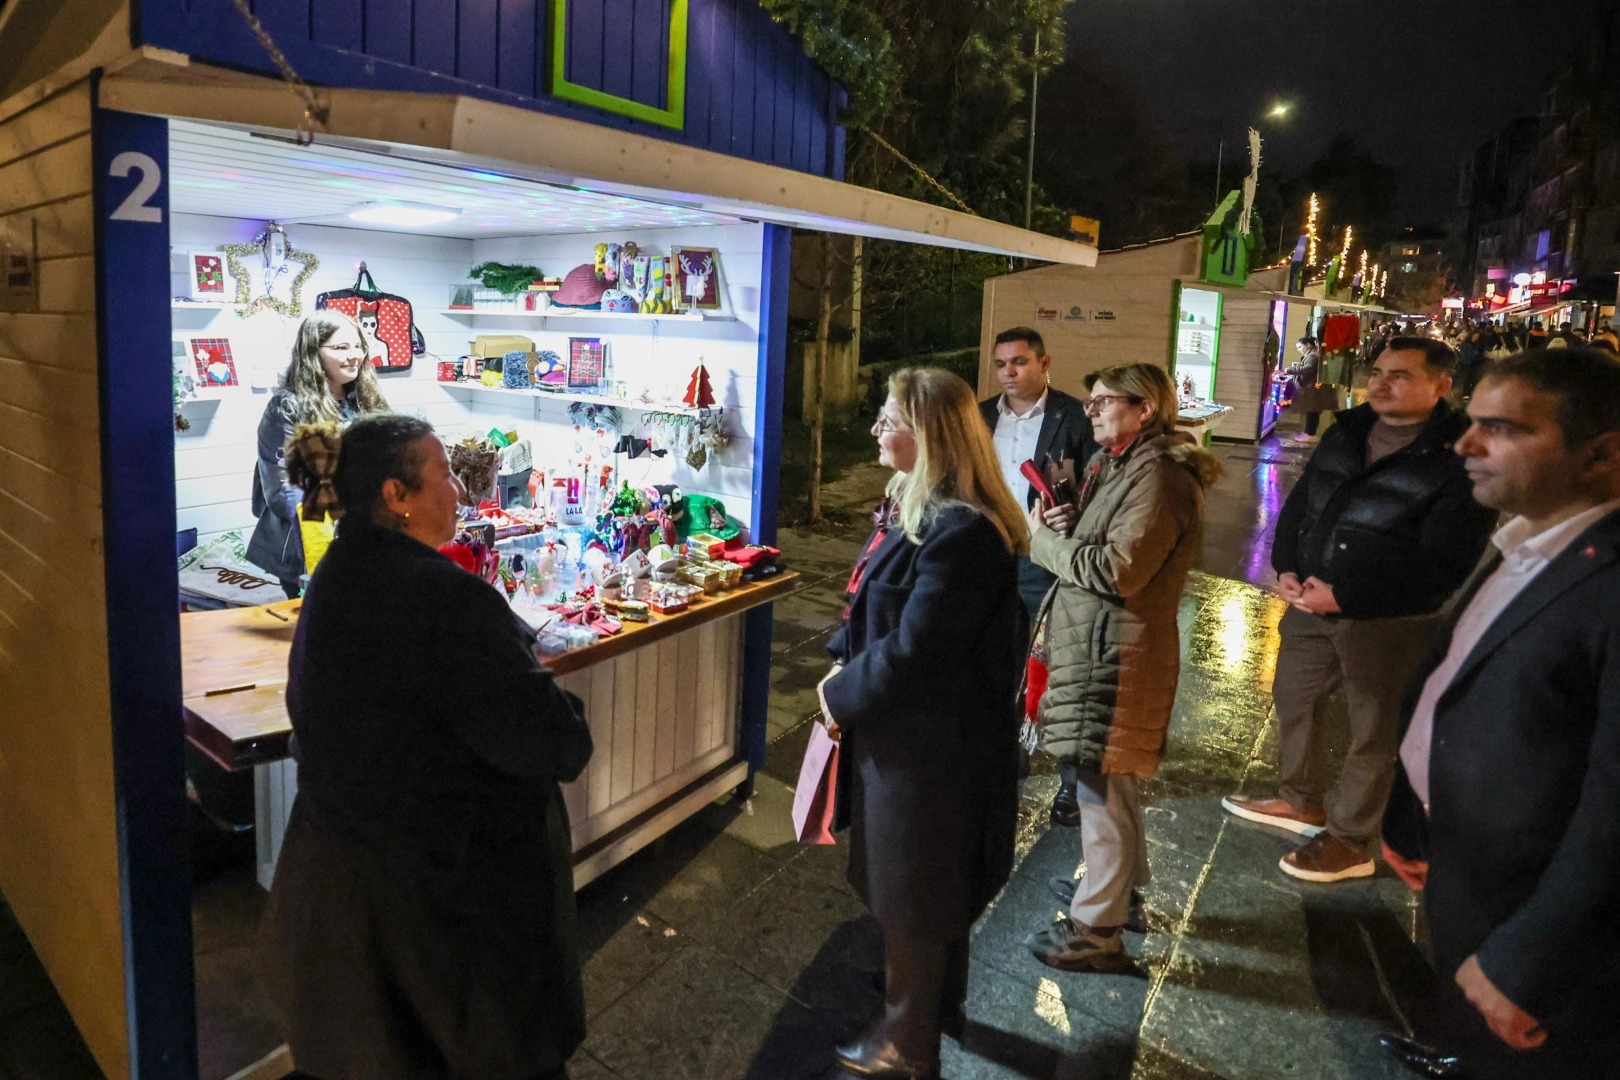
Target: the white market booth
pixel 127 148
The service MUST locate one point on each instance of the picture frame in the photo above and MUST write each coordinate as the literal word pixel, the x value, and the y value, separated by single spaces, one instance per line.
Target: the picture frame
pixel 694 289
pixel 587 363
pixel 214 364
pixel 205 273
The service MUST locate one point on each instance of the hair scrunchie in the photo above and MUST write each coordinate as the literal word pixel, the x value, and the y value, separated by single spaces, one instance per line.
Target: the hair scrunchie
pixel 312 462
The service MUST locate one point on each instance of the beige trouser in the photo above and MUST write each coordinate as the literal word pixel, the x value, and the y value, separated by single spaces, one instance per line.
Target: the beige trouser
pixel 1114 842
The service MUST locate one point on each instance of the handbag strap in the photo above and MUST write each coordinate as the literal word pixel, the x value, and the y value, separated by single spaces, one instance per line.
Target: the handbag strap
pixel 363 281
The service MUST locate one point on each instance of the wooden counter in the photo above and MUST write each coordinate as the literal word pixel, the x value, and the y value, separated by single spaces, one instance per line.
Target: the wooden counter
pixel 234 666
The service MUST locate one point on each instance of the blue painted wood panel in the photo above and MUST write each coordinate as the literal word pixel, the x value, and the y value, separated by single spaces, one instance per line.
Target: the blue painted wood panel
pixel 751 91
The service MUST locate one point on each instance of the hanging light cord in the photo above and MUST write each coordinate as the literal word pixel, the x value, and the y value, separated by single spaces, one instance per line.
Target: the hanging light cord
pixel 316 112
pixel 918 169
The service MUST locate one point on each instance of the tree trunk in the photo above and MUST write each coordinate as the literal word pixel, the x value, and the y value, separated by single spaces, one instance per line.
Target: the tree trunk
pixel 818 413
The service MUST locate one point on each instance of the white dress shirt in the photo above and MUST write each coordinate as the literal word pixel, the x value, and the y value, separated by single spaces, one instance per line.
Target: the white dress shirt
pixel 1016 436
pixel 1524 555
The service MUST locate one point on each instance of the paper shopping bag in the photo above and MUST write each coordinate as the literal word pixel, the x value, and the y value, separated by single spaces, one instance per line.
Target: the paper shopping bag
pixel 813 800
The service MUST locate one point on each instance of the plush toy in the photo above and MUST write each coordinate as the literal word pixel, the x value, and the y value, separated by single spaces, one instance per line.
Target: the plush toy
pixel 618 301
pixel 549 369
pixel 610 266
pixel 657 298
pixel 601 261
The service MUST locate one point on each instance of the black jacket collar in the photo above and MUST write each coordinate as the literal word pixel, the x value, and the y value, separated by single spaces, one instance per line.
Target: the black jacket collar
pixel 1059 407
pixel 1444 426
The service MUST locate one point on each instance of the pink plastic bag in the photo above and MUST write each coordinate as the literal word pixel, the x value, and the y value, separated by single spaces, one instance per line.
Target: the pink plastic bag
pixel 814 798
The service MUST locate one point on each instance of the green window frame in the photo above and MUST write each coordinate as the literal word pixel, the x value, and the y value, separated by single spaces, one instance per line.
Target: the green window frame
pixel 675 96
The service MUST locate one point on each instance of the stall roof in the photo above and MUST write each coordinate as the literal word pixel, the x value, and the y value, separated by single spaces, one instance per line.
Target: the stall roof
pixel 508 141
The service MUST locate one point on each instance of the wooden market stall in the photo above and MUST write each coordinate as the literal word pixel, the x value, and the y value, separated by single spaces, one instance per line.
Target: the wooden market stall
pixel 1187 303
pixel 135 137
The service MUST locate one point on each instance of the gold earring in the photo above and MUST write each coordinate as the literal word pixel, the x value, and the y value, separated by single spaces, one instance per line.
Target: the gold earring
pixel 407 515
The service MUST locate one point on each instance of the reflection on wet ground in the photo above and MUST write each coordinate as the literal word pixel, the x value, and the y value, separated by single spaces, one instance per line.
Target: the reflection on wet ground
pixel 727 950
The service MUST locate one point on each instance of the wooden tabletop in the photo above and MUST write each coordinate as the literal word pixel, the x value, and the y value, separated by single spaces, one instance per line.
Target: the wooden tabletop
pixel 234 666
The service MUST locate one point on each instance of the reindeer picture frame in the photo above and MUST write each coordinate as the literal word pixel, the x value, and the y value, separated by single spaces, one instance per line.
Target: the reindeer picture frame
pixel 697 278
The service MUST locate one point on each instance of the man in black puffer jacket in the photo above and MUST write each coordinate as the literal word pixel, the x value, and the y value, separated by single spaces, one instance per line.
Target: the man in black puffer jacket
pixel 1380 530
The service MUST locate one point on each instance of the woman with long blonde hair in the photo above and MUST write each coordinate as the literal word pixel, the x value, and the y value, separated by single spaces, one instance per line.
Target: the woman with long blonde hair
pixel 922 698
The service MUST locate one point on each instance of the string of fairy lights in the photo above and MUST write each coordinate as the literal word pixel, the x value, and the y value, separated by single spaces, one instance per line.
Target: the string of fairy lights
pixel 1372 279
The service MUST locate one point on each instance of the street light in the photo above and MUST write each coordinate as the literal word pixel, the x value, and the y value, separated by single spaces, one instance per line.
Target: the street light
pixel 1279 110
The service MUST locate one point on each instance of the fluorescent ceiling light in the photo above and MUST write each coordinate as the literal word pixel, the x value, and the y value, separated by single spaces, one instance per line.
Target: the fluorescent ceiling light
pixel 403 213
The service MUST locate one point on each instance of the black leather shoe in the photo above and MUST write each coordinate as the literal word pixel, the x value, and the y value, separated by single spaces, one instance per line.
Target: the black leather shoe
pixel 954 1024
pixel 876 1058
pixel 1135 916
pixel 1065 806
pixel 1423 1060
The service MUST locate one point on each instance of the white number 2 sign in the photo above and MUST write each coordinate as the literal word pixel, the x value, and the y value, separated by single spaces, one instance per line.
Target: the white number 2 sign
pixel 134 207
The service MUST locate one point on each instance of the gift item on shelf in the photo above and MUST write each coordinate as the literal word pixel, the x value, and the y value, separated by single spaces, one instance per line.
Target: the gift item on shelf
pixel 506 279
pixel 656 299
pixel 207 276
pixel 581 288
pixel 699 394
pixel 587 363
pixel 474 461
pixel 385 320
pixel 697 278
pixel 515 370
pixel 264 273
pixel 618 301
pixel 214 363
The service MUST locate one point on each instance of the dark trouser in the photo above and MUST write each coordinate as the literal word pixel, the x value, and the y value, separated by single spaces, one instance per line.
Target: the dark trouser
pixel 1312 420
pixel 1373 660
pixel 1033 582
pixel 924 979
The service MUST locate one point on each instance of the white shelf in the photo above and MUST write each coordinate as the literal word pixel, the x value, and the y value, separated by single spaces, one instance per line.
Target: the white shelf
pixel 571 395
pixel 609 316
pixel 199 305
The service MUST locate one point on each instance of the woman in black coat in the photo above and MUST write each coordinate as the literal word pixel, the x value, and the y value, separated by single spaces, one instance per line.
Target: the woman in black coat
pixel 922 698
pixel 421 923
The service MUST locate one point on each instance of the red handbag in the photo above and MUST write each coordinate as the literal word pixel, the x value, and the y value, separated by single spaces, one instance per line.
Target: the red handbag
pixel 383 317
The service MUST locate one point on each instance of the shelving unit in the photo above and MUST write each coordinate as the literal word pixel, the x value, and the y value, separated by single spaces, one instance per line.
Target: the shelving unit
pixel 571 395
pixel 607 316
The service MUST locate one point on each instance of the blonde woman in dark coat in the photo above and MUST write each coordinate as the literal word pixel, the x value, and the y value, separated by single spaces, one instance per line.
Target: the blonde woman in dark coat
pixel 922 696
pixel 1113 648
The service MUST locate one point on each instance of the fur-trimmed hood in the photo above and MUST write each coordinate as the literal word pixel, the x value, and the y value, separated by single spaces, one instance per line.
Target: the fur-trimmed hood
pixel 1181 448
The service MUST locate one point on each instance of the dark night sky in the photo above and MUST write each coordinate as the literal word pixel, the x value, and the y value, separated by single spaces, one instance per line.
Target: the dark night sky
pixel 1419 82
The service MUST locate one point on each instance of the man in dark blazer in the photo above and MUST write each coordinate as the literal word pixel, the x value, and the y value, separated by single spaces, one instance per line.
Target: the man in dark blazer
pixel 1506 806
pixel 1031 421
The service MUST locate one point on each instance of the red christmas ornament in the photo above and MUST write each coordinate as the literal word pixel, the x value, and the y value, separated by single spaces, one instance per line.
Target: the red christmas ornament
pixel 699 395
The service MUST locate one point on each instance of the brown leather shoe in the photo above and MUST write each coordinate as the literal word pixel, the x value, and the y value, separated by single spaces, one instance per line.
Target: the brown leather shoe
pixel 1276 812
pixel 1327 858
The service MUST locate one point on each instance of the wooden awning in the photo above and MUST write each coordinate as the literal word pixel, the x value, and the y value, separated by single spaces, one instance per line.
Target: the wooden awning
pixel 473 132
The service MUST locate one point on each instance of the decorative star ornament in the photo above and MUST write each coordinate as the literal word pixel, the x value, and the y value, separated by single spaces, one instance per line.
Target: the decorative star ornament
pixel 274 248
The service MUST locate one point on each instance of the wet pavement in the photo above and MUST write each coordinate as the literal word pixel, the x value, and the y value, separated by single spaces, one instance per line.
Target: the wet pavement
pixel 727 950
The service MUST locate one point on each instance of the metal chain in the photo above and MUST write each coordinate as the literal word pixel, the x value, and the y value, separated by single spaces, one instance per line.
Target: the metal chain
pixel 316 112
pixel 920 171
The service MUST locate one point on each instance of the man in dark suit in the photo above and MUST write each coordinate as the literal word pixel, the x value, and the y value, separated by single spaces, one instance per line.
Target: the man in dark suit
pixel 1031 421
pixel 1506 806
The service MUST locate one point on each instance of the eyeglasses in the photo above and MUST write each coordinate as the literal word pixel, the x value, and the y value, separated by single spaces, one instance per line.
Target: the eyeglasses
pixel 884 425
pixel 1097 402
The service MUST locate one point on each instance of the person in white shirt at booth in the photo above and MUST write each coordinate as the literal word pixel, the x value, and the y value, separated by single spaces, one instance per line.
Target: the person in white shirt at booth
pixel 1506 805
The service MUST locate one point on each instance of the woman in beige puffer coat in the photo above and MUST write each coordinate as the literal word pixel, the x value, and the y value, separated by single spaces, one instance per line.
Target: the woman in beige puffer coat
pixel 1112 645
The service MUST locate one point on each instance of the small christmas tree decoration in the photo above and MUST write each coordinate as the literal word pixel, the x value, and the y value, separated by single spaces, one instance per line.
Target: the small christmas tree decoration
pixel 699 395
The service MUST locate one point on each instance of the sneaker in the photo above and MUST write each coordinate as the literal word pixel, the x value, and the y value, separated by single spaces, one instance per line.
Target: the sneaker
pixel 1327 858
pixel 1304 438
pixel 1135 918
pixel 1071 946
pixel 1276 812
